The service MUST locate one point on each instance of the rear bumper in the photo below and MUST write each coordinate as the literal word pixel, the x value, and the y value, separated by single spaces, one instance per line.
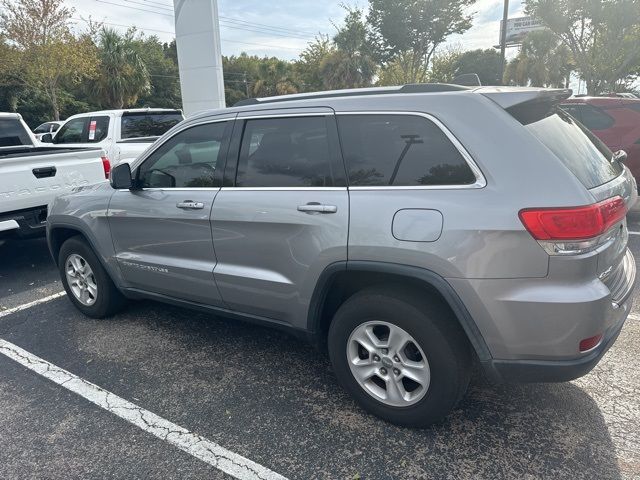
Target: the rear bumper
pixel 23 223
pixel 533 327
pixel 532 371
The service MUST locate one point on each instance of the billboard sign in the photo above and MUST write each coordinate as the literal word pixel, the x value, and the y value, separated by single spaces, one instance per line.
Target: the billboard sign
pixel 517 29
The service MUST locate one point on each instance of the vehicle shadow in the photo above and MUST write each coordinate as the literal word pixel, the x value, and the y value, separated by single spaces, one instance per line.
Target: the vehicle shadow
pixel 278 387
pixel 25 265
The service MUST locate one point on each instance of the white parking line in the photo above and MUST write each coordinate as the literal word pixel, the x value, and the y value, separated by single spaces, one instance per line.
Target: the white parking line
pixel 199 447
pixel 9 311
pixel 633 233
pixel 219 457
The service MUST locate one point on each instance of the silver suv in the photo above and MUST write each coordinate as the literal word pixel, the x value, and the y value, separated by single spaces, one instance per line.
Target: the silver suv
pixel 413 231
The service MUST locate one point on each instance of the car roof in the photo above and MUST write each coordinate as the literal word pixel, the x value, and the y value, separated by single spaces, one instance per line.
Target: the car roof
pixel 504 96
pixel 10 115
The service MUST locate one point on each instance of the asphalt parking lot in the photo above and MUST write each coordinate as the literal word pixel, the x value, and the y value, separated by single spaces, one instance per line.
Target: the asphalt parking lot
pixel 273 399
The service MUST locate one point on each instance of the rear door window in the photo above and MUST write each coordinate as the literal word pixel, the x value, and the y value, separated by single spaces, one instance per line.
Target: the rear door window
pixel 400 150
pixel 148 124
pixel 286 152
pixel 12 133
pixel 581 151
pixel 98 129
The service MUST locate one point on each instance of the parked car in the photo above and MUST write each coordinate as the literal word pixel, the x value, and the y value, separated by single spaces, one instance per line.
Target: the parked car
pixel 47 127
pixel 616 121
pixel 123 134
pixel 412 230
pixel 32 175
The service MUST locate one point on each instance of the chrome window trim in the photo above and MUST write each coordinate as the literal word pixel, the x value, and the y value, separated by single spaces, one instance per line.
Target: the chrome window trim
pixel 480 182
pixel 285 115
pixel 284 189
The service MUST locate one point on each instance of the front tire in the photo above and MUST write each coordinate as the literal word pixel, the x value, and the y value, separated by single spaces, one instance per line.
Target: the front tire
pixel 86 282
pixel 402 356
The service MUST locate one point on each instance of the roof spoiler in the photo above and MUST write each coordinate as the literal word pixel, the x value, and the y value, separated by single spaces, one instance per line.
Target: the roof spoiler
pixel 508 97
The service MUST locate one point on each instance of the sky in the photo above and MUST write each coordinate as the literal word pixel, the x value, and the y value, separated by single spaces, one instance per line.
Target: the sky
pixel 273 28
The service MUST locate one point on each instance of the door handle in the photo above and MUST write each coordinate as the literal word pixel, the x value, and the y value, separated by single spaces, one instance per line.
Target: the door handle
pixel 44 172
pixel 190 205
pixel 314 207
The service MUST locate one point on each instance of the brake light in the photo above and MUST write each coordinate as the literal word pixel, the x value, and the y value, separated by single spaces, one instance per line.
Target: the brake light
pixel 577 223
pixel 106 165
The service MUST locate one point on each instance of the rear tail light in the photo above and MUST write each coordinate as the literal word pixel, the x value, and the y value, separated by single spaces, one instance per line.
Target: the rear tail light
pixel 106 165
pixel 590 343
pixel 565 231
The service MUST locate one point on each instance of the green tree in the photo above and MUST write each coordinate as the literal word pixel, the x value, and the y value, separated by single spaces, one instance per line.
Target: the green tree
pixel 309 66
pixel 415 29
pixel 542 62
pixel 485 63
pixel 350 64
pixel 602 35
pixel 124 76
pixel 274 77
pixel 164 77
pixel 44 52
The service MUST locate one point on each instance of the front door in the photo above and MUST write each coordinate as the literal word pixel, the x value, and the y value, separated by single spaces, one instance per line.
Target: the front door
pixel 284 216
pixel 161 229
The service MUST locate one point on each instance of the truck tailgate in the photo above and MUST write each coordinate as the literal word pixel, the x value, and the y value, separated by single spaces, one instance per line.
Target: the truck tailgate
pixel 34 179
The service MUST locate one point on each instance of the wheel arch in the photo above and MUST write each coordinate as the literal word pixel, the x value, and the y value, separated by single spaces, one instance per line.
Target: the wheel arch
pixel 59 233
pixel 341 280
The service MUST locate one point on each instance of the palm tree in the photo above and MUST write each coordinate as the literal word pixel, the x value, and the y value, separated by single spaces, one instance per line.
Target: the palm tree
pixel 123 75
pixel 274 77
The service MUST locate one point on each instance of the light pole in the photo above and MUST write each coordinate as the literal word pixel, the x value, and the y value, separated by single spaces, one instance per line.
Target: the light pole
pixel 503 39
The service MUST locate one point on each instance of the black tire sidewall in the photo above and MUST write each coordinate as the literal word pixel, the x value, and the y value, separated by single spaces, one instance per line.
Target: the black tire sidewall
pixel 430 324
pixel 105 300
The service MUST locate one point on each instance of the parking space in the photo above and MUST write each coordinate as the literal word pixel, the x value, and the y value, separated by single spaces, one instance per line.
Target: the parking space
pixel 274 400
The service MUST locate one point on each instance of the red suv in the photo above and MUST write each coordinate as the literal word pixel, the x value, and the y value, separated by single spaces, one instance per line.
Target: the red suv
pixel 616 121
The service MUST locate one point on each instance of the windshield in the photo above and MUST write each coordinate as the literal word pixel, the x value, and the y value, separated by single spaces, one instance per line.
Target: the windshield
pixel 580 150
pixel 148 124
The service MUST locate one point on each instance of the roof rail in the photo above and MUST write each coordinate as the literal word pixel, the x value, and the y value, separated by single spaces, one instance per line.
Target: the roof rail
pixel 356 92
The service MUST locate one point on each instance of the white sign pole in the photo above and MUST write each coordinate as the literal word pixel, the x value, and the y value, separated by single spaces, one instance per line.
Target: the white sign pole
pixel 199 55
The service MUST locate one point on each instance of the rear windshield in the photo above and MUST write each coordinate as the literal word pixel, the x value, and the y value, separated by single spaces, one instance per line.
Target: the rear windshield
pixel 148 124
pixel 580 150
pixel 12 133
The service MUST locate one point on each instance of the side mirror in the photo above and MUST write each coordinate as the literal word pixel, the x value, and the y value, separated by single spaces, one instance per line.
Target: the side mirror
pixel 120 177
pixel 620 156
pixel 47 138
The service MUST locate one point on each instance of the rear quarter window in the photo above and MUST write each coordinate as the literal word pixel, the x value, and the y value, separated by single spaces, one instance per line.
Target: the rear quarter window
pixel 400 150
pixel 581 151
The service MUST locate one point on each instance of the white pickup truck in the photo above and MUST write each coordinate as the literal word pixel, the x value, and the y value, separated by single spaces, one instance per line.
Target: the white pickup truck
pixel 123 134
pixel 31 176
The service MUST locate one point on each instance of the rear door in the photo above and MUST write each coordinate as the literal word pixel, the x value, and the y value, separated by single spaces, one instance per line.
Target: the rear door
pixel 283 214
pixel 161 230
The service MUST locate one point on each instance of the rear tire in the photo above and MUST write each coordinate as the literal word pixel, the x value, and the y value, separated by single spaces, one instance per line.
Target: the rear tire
pixel 436 353
pixel 86 282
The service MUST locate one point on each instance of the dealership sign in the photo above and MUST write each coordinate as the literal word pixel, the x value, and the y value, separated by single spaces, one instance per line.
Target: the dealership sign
pixel 518 28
